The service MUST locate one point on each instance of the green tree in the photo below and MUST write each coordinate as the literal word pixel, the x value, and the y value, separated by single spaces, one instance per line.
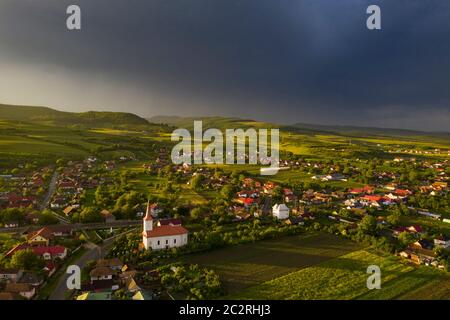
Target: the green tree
pixel 196 213
pixel 368 224
pixel 26 260
pixel 393 219
pixel 406 238
pixel 196 181
pixel 47 218
pixel 228 191
pixel 90 214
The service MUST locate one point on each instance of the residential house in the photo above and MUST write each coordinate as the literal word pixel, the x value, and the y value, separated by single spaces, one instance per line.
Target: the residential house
pixel 439 185
pixel 429 214
pixel 423 244
pixel 45 252
pixel 169 222
pixel 44 235
pixel 41 237
pixel 32 279
pixel 70 210
pixel 248 194
pixel 363 190
pixel 247 202
pixel 114 263
pixel 10 274
pixel 11 224
pixel 142 295
pixel 5 296
pixel 442 241
pixel 51 253
pixel 289 195
pixel 268 187
pixel 250 183
pixel 126 275
pixel 280 211
pixel 402 193
pixel 131 285
pixel 23 289
pixel 421 256
pixel 108 216
pixel 60 230
pixel 294 221
pixel 415 229
pixel 58 202
pixel 102 274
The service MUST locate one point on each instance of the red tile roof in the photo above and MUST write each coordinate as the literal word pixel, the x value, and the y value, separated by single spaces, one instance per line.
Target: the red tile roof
pixel 247 201
pixel 52 250
pixel 38 250
pixel 167 230
pixel 402 192
pixel 372 198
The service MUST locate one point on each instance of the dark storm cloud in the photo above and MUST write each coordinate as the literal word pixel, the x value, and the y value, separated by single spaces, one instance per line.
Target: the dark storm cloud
pixel 280 60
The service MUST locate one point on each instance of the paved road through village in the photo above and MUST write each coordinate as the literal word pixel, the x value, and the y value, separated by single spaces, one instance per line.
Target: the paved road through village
pixel 94 252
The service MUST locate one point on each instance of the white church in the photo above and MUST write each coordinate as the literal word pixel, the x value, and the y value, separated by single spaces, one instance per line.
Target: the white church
pixel 166 234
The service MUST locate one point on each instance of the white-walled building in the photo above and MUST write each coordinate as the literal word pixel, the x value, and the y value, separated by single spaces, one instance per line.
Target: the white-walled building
pixel 162 236
pixel 442 242
pixel 280 211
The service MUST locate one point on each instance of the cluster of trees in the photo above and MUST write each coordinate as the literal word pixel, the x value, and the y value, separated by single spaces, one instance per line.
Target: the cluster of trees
pixel 220 236
pixel 122 203
pixel 19 215
pixel 363 234
pixel 26 260
pixel 192 281
pixel 126 248
pixel 443 256
pixel 88 215
pixel 12 215
pixel 438 204
pixel 47 218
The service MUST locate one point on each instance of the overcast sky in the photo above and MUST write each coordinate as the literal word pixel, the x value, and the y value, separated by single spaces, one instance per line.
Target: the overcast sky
pixel 286 61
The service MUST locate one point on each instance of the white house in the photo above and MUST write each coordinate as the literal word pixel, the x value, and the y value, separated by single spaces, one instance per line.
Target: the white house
pixel 442 241
pixel 429 214
pixel 10 274
pixel 280 211
pixel 162 236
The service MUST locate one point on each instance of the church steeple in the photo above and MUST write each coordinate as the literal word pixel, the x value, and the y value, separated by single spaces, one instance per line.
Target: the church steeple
pixel 148 219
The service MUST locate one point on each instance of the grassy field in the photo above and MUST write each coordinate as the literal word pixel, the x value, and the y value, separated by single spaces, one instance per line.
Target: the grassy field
pixel 247 265
pixel 152 184
pixel 345 278
pixel 422 283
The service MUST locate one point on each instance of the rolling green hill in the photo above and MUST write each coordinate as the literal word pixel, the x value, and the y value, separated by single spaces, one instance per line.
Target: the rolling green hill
pixel 50 116
pixel 338 133
pixel 371 131
pixel 327 141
